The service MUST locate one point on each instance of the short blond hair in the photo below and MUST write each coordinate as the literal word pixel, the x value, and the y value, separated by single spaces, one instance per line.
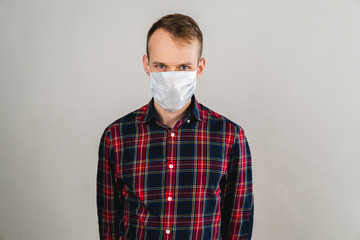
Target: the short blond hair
pixel 180 26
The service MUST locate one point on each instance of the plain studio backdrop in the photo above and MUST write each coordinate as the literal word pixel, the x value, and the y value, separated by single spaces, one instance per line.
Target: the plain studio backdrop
pixel 287 71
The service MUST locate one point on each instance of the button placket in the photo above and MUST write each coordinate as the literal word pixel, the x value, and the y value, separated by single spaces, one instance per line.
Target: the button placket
pixel 172 135
pixel 170 181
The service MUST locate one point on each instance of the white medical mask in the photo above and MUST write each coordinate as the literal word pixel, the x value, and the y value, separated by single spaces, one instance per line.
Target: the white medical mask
pixel 173 89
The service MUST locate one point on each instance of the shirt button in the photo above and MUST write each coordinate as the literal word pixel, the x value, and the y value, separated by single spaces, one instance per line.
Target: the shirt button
pixel 171 166
pixel 169 199
pixel 172 134
pixel 167 231
pixel 188 121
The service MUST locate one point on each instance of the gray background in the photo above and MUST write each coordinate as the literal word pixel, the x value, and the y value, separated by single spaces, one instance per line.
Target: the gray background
pixel 287 71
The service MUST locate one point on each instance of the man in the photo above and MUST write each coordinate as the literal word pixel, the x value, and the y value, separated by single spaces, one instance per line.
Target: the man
pixel 174 169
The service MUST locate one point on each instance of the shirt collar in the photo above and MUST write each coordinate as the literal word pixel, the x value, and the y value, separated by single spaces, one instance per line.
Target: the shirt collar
pixel 195 111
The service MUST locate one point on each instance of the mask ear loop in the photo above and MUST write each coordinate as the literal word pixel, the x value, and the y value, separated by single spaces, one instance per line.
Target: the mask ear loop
pixel 148 64
pixel 198 65
pixel 149 68
pixel 197 69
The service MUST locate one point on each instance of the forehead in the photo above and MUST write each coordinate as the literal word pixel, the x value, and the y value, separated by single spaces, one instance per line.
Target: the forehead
pixel 164 47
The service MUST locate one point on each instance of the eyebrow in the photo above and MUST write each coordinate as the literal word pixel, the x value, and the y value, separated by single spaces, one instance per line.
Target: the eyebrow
pixel 160 63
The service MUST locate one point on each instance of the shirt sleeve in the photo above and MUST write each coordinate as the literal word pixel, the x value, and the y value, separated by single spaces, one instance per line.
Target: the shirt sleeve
pixel 238 201
pixel 109 204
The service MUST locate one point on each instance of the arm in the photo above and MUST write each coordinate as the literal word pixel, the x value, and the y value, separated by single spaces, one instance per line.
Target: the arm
pixel 238 202
pixel 109 204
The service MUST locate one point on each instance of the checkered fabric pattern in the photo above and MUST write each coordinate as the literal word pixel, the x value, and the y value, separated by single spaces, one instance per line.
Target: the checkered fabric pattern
pixel 190 182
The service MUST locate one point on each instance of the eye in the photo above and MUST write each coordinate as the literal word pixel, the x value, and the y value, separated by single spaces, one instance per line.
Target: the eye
pixel 160 67
pixel 184 68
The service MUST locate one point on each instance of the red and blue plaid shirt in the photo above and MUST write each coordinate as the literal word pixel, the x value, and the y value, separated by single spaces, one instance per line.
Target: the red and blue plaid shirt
pixel 190 182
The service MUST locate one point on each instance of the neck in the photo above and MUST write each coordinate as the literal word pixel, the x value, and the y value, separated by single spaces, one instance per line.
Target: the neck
pixel 171 118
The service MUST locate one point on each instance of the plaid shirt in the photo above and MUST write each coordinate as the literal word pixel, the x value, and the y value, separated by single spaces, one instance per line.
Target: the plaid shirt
pixel 190 182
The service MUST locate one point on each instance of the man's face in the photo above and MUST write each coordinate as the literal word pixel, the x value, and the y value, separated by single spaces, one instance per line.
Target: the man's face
pixel 169 54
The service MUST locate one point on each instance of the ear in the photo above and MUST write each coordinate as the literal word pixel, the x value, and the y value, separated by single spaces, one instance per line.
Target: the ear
pixel 201 68
pixel 146 64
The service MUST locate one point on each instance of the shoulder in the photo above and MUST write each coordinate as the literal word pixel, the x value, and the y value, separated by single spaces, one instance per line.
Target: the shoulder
pixel 215 118
pixel 127 120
